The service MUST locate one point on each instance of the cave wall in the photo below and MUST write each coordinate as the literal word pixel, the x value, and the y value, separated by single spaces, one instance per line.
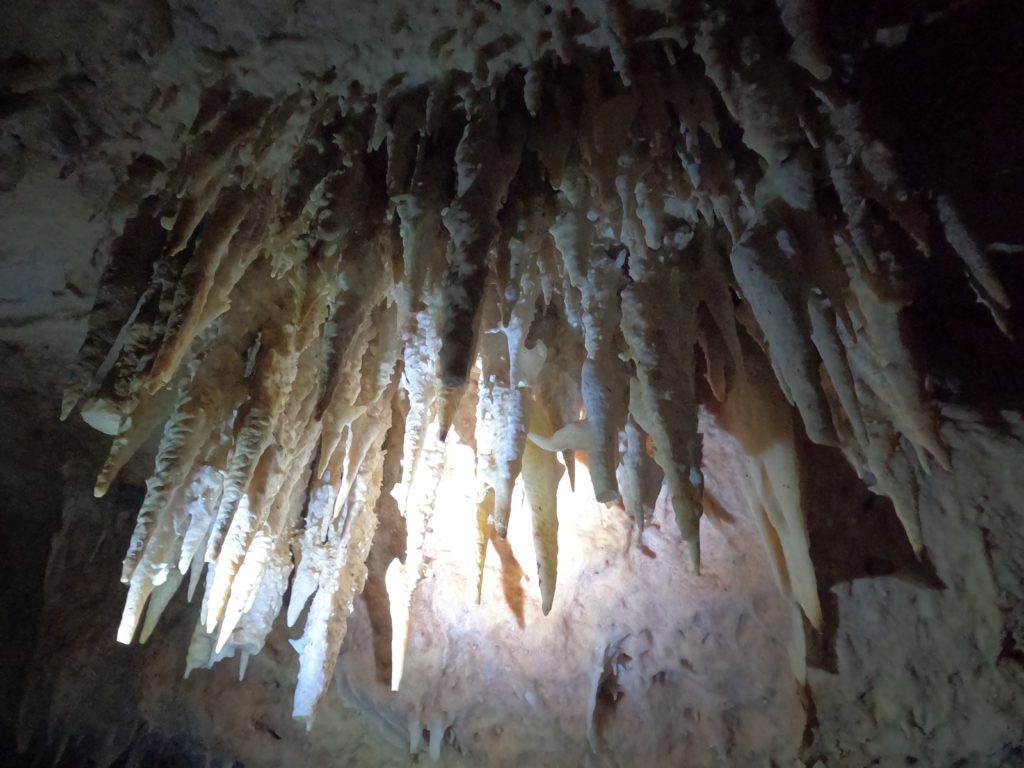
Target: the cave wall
pixel 919 662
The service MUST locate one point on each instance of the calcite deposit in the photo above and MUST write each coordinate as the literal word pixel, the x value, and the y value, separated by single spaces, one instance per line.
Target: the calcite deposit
pixel 527 278
pixel 313 259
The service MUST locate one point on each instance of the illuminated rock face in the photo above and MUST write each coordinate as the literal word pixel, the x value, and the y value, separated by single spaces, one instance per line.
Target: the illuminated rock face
pixel 591 361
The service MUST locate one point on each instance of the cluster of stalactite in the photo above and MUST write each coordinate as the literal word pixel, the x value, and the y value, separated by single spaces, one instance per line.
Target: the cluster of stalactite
pixel 567 262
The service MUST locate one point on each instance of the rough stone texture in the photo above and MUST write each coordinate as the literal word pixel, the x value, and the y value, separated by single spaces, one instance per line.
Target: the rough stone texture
pixel 918 663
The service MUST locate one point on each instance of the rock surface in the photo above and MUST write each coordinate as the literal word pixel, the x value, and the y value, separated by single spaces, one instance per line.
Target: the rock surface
pixel 836 410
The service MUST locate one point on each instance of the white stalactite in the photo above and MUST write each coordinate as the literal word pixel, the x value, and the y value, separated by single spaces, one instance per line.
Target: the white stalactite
pixel 593 257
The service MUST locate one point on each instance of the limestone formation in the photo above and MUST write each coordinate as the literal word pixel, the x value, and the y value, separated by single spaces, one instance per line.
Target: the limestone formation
pixel 546 265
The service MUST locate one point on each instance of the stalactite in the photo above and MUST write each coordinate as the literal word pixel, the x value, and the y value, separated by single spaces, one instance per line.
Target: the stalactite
pixel 639 476
pixel 573 258
pixel 541 473
pixel 760 419
pixel 122 284
pixel 664 403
